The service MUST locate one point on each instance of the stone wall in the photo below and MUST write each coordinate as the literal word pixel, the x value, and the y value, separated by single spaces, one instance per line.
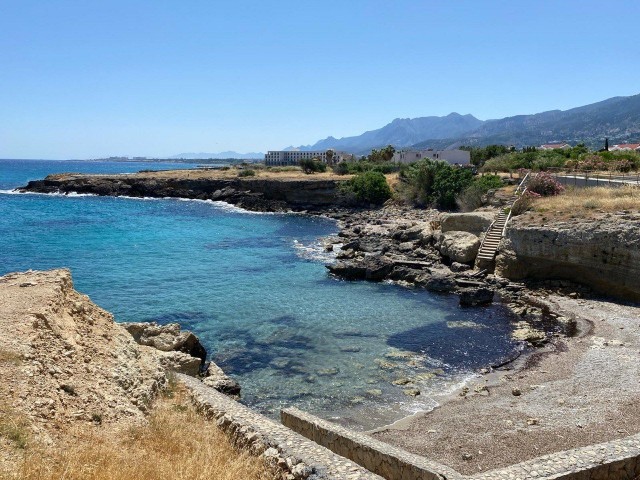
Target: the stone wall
pixel 386 460
pixel 615 460
pixel 290 454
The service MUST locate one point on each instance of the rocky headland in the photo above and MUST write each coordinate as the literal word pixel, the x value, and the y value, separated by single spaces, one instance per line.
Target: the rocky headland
pixel 275 194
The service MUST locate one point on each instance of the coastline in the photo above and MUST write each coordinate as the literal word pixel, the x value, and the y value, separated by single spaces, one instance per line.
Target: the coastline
pixel 473 416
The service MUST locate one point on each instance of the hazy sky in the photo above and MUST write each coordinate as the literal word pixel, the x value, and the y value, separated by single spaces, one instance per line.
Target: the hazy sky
pixel 82 79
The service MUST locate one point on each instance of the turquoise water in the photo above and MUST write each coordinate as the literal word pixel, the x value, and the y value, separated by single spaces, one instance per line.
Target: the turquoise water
pixel 255 289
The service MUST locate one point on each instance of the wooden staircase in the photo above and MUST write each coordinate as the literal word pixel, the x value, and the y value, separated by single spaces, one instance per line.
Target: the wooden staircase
pixel 491 241
pixel 489 247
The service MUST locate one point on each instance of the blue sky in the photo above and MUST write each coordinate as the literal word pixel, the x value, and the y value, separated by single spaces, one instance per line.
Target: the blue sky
pixel 84 79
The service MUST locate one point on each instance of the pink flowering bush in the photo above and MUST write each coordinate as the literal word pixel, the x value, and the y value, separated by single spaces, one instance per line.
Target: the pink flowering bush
pixel 544 185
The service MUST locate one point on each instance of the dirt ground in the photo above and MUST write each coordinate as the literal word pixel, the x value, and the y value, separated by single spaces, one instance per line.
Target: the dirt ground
pixel 578 391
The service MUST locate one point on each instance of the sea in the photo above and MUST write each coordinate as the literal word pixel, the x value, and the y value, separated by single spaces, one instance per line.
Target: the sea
pixel 255 289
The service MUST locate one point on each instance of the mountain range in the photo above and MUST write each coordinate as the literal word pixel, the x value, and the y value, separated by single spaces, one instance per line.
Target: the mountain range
pixel 616 118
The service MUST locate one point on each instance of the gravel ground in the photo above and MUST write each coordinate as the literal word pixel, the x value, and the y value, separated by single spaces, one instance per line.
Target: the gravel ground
pixel 575 392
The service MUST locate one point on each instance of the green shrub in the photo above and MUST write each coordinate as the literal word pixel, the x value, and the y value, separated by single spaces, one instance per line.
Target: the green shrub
pixel 471 197
pixel 369 187
pixel 341 168
pixel 433 183
pixel 312 165
pixel 247 173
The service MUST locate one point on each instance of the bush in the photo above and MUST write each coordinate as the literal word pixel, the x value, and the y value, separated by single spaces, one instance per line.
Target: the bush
pixel 341 168
pixel 433 183
pixel 370 187
pixel 524 203
pixel 471 197
pixel 544 185
pixel 312 165
pixel 247 172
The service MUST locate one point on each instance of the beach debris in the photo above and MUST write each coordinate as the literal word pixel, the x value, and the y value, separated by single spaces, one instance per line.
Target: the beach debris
pixel 532 421
pixel 467 456
pixel 516 392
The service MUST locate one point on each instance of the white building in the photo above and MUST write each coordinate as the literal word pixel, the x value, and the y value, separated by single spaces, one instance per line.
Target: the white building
pixel 554 146
pixel 293 157
pixel 626 147
pixel 453 157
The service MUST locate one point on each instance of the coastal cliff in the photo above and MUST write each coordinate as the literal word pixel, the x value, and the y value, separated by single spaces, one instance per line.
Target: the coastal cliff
pixel 257 194
pixel 64 361
pixel 603 253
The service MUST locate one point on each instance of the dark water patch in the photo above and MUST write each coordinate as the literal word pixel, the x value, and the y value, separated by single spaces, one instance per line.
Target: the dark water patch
pixel 354 333
pixel 462 348
pixel 288 320
pixel 243 361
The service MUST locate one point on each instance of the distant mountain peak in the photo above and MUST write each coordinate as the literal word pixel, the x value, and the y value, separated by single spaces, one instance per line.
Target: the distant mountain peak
pixel 617 118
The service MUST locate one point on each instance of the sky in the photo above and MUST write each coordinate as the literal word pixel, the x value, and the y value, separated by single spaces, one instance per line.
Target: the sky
pixel 88 79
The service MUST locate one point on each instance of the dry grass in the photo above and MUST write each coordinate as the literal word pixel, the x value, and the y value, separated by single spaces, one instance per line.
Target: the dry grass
pixel 177 443
pixel 14 428
pixel 7 356
pixel 585 201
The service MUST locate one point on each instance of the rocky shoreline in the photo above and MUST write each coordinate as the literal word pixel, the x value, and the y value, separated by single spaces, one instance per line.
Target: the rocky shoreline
pixel 255 194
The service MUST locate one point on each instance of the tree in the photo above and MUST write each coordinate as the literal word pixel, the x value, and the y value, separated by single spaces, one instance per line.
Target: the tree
pixel 330 153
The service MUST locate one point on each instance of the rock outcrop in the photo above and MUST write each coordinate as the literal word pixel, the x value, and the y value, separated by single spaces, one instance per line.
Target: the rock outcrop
pixel 472 222
pixel 63 359
pixel 603 254
pixel 257 194
pixel 71 361
pixel 461 247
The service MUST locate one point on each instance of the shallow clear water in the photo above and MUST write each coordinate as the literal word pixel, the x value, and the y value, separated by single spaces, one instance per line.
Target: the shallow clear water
pixel 255 289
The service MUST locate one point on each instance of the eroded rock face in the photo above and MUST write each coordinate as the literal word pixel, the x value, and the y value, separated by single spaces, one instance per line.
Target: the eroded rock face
pixel 603 254
pixel 73 363
pixel 472 222
pixel 461 247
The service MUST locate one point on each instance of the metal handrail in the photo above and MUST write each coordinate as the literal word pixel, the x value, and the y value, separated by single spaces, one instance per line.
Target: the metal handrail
pixel 485 235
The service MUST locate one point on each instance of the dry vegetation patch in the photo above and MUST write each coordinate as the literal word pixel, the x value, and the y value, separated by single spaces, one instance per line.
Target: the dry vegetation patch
pixel 176 443
pixel 587 201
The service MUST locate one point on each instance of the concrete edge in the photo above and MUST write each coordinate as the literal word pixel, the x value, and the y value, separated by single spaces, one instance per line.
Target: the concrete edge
pixel 290 455
pixel 391 462
pixel 617 459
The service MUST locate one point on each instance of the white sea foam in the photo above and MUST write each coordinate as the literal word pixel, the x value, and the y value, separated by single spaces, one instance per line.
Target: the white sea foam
pixel 51 194
pixel 314 251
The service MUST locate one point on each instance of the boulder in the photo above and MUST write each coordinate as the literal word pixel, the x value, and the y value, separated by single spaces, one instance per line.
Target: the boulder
pixel 472 222
pixel 180 362
pixel 377 267
pixel 461 247
pixel 348 270
pixel 167 338
pixel 217 379
pixel 476 296
pixel 459 267
pixel 438 281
